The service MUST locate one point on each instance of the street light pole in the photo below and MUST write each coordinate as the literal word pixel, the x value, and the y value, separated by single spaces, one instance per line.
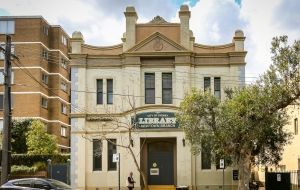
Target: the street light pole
pixel 6 141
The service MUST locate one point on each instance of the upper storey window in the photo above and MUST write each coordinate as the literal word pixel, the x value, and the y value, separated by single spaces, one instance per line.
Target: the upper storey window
pixel 7 26
pixel 109 91
pixel 149 88
pixel 64 63
pixel 63 40
pixel 99 91
pixel 45 54
pixel 46 30
pixel 2 55
pixel 167 88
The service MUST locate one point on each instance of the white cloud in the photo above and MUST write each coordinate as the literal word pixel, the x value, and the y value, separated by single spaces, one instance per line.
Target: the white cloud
pixel 212 21
pixel 261 28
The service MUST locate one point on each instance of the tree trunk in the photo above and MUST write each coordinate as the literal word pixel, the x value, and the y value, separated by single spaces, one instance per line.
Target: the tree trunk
pixel 244 172
pixel 144 180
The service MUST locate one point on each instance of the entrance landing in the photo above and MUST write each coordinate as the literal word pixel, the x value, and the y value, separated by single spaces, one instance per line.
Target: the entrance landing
pixel 162 187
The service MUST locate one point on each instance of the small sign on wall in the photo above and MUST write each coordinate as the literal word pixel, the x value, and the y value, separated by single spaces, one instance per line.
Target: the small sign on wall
pixel 222 164
pixel 279 177
pixel 115 157
pixel 154 171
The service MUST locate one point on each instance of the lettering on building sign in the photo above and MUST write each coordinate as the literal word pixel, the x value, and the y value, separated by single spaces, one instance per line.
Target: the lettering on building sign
pixel 156 120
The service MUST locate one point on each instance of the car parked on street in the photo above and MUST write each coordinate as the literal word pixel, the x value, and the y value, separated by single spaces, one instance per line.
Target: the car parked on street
pixel 36 183
pixel 15 188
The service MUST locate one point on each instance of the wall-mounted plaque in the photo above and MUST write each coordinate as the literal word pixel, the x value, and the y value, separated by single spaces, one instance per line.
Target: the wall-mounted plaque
pixel 154 171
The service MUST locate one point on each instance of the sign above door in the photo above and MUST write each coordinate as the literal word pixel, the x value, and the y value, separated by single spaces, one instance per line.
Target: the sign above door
pixel 155 120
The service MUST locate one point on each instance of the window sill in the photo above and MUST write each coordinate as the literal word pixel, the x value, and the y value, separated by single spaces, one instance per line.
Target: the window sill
pixel 97 171
pixel 206 170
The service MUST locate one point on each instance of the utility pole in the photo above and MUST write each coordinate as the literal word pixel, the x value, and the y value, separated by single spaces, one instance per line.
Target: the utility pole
pixel 119 171
pixel 6 141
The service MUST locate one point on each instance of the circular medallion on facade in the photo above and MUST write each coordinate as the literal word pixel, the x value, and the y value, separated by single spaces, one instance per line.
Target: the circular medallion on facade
pixel 154 165
pixel 158 45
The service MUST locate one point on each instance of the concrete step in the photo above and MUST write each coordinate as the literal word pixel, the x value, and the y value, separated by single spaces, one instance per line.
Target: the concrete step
pixel 162 187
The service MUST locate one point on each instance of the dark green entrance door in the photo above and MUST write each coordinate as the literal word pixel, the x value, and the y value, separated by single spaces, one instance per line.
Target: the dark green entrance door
pixel 160 163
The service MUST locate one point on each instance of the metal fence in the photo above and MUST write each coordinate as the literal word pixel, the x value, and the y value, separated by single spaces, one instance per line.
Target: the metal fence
pixel 287 180
pixel 295 179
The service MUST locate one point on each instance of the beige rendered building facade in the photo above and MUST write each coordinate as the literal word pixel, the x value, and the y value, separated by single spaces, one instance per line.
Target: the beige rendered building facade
pixel 146 77
pixel 41 79
pixel 291 155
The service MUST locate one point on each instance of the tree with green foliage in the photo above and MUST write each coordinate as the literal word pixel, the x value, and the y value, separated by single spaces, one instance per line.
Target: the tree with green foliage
pixel 39 141
pixel 247 127
pixel 18 135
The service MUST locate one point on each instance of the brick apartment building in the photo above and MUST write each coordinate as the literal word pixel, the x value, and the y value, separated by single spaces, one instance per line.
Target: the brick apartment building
pixel 42 50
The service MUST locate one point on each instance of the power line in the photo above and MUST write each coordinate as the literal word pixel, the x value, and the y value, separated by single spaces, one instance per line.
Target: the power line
pixel 197 78
pixel 19 64
pixel 56 60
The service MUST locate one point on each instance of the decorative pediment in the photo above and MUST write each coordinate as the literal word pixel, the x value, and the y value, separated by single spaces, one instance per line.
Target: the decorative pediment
pixel 157 43
pixel 158 20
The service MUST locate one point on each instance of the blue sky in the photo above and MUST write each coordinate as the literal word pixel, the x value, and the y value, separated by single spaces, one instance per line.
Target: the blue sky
pixel 190 2
pixel 212 21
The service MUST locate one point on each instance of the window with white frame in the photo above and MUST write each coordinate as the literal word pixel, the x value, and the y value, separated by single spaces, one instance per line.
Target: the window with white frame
pixel 63 131
pixel 63 108
pixel 7 26
pixel 46 30
pixel 63 40
pixel 2 77
pixel 45 78
pixel 63 86
pixel 2 54
pixel 44 102
pixel 45 54
pixel 64 63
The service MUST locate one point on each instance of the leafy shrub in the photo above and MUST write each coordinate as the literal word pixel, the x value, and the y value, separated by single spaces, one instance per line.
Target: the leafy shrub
pixel 29 160
pixel 21 169
pixel 39 141
pixel 40 166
